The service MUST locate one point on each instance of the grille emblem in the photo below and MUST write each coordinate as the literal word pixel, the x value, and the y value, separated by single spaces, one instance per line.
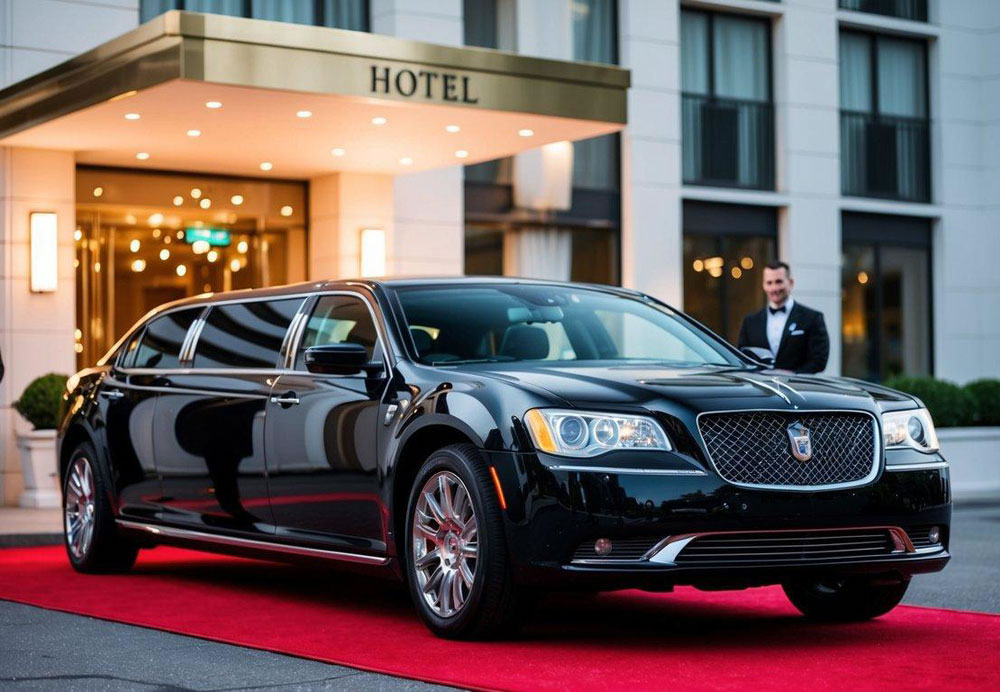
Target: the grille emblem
pixel 798 434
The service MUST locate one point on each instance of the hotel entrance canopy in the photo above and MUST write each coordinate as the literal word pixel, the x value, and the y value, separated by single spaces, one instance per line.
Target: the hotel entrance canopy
pixel 306 100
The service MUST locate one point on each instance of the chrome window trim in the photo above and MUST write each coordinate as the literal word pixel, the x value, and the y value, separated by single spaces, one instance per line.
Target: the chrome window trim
pixel 194 331
pixel 877 461
pixel 173 532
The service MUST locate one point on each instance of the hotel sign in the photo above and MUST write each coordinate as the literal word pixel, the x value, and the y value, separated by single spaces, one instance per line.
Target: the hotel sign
pixel 421 83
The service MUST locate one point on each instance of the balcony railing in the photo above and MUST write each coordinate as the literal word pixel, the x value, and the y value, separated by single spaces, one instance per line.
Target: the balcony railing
pixel 903 9
pixel 728 142
pixel 885 156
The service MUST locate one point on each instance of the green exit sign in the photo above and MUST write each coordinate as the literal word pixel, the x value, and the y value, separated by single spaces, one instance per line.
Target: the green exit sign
pixel 213 236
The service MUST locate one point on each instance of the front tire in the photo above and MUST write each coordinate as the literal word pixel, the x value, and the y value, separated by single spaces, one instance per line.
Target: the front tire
pixel 848 600
pixel 456 558
pixel 92 540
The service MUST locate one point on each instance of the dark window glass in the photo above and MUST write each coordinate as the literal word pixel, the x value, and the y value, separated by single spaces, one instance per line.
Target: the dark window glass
pixel 338 320
pixel 904 9
pixel 341 14
pixel 245 335
pixel 521 322
pixel 886 296
pixel 727 117
pixel 884 127
pixel 161 342
pixel 725 250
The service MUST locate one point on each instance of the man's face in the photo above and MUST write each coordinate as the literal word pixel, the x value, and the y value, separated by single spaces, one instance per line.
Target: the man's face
pixel 777 285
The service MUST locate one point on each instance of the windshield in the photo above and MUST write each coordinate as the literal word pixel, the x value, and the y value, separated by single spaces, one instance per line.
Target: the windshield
pixel 524 322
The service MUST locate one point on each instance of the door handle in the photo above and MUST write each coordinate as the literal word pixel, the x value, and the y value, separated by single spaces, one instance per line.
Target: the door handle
pixel 112 393
pixel 285 400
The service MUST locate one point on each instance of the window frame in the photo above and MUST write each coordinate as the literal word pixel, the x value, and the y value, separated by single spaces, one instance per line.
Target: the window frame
pixel 877 237
pixel 710 16
pixel 191 353
pixel 123 358
pixel 319 12
pixel 873 38
pixel 296 332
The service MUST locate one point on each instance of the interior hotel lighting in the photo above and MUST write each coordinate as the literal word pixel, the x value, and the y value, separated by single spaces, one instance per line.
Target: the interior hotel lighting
pixel 44 252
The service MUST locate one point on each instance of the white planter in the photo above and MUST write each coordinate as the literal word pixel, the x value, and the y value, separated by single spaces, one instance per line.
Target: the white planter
pixel 40 469
pixel 974 456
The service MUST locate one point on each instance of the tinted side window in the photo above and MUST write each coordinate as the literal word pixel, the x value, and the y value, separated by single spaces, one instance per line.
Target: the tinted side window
pixel 244 335
pixel 160 345
pixel 336 320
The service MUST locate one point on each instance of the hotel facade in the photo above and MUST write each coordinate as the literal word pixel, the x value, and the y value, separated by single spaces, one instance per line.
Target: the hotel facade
pixel 152 150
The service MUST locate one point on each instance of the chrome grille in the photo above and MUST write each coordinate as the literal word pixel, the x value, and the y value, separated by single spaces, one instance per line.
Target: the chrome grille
pixel 753 449
pixel 786 547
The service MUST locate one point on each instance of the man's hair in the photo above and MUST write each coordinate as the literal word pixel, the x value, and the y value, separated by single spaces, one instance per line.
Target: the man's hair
pixel 778 264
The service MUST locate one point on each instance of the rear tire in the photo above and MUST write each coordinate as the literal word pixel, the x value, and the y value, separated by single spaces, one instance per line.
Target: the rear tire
pixel 457 565
pixel 93 542
pixel 848 600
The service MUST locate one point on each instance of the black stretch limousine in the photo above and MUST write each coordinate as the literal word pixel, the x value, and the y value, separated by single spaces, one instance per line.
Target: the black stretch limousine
pixel 482 439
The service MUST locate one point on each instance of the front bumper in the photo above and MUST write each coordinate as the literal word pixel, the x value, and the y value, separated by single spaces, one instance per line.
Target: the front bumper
pixel 554 515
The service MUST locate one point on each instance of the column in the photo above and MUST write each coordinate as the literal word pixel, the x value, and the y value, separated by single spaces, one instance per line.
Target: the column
pixel 36 329
pixel 340 206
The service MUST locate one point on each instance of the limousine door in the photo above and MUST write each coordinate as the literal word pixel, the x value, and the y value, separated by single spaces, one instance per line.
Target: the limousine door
pixel 210 421
pixel 319 436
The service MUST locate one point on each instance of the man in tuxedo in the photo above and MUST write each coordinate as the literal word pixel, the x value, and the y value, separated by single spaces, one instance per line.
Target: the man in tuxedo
pixel 794 334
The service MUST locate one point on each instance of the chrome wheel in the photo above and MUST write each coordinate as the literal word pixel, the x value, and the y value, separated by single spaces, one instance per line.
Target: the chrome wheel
pixel 80 508
pixel 445 543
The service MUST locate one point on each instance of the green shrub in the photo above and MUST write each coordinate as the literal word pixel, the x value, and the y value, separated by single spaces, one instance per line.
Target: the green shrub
pixel 986 395
pixel 41 402
pixel 949 404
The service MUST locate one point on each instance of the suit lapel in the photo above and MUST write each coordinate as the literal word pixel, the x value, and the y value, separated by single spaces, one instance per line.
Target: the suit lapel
pixel 792 320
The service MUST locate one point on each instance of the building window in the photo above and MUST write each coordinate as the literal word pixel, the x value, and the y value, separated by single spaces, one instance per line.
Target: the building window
pixel 339 14
pixel 903 9
pixel 725 249
pixel 726 110
pixel 886 296
pixel 884 125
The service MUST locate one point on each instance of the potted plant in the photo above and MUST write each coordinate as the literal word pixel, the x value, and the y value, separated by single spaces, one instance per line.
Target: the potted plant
pixel 41 405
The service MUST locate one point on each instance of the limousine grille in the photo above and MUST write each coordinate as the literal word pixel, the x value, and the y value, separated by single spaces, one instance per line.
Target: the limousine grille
pixel 754 448
pixel 786 547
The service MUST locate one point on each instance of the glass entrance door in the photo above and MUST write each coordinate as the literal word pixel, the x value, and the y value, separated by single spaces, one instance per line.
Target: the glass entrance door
pixel 144 239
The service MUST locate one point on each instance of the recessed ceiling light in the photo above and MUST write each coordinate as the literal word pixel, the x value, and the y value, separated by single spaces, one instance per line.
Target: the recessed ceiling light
pixel 180 235
pixel 142 155
pixel 212 255
pixel 338 151
pixel 157 233
pixel 266 165
pixel 205 203
pixel 139 265
pixel 406 161
pixel 379 121
pixel 98 191
pixel 134 245
pixel 304 114
pixel 452 128
pixel 461 153
pixel 164 254
pixel 178 201
pixel 234 265
pixel 286 210
pixel 195 192
pixel 181 270
pixel 155 219
pixel 194 133
pixel 237 200
pixel 213 104
pixel 132 116
pixel 526 132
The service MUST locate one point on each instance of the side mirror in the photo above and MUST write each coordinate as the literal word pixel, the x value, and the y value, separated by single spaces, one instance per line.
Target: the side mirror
pixel 761 356
pixel 338 359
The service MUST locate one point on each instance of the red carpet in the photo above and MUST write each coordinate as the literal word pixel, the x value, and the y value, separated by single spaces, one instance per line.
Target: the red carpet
pixel 627 640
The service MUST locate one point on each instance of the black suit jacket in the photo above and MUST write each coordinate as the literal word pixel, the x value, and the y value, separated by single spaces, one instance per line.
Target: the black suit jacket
pixel 805 345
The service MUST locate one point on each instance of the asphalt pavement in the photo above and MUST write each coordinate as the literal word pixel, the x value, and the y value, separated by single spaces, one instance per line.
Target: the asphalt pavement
pixel 46 650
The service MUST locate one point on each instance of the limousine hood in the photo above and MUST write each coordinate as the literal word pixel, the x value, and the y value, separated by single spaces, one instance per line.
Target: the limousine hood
pixel 709 388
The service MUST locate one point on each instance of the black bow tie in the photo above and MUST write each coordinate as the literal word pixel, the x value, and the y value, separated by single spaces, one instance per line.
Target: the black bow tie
pixel 775 311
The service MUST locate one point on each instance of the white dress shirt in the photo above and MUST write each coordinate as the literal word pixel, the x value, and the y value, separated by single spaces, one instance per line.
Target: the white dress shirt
pixel 776 325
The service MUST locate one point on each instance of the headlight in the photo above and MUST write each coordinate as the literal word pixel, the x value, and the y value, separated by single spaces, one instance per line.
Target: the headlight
pixel 584 434
pixel 912 428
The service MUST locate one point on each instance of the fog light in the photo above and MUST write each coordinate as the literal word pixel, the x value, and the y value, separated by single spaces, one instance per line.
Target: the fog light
pixel 934 535
pixel 602 546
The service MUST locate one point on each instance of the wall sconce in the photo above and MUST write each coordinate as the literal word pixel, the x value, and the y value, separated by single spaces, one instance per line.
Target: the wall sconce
pixel 372 252
pixel 44 252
